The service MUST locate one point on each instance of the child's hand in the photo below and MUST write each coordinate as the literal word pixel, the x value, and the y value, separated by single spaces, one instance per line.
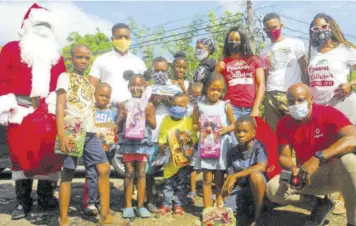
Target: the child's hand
pixel 149 110
pixel 123 114
pixel 229 185
pixel 255 113
pixel 224 130
pixel 64 144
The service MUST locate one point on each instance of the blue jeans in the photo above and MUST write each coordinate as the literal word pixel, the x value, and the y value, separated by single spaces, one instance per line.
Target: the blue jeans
pixel 239 111
pixel 177 185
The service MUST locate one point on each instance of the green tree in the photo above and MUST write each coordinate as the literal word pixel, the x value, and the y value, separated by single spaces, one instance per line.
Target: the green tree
pixel 98 43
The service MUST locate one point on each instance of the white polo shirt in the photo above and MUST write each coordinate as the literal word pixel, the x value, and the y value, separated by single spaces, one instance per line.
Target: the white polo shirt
pixel 110 68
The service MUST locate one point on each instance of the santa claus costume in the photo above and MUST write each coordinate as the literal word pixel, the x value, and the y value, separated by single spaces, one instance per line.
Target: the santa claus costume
pixel 29 70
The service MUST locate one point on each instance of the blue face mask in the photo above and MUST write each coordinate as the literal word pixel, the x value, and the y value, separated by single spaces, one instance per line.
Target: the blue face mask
pixel 177 112
pixel 299 111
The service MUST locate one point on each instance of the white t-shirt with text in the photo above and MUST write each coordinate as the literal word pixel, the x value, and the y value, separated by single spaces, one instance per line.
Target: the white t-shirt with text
pixel 281 59
pixel 328 70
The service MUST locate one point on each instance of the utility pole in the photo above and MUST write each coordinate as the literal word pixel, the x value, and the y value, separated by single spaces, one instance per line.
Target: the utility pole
pixel 250 23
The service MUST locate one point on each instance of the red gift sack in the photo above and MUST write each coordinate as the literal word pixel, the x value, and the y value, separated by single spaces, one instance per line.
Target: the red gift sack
pixel 31 144
pixel 267 136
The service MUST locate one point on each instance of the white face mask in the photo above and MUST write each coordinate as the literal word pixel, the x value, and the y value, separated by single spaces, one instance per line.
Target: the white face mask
pixel 201 54
pixel 299 111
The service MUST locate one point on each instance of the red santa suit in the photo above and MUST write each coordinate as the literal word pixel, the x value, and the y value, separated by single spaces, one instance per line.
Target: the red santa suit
pixel 31 129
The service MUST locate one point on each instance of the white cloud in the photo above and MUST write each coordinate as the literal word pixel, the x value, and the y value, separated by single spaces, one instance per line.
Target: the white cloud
pixel 69 18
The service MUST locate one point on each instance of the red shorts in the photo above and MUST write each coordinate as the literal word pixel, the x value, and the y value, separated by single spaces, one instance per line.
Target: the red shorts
pixel 134 157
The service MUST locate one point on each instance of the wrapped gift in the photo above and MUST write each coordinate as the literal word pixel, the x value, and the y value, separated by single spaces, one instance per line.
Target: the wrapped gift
pixel 210 137
pixel 181 147
pixel 214 216
pixel 136 119
pixel 75 131
pixel 107 133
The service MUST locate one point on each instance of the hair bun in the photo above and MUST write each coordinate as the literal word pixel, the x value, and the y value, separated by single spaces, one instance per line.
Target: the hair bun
pixel 128 74
pixel 180 54
pixel 147 75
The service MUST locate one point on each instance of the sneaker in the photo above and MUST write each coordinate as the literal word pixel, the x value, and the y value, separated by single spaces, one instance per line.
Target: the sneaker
pixel 91 210
pixel 322 209
pixel 339 207
pixel 164 210
pixel 178 211
pixel 128 213
pixel 152 208
pixel 48 202
pixel 19 212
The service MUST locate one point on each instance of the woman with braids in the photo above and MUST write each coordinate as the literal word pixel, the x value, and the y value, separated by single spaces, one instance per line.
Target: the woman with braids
pixel 331 58
pixel 243 74
pixel 205 47
pixel 179 69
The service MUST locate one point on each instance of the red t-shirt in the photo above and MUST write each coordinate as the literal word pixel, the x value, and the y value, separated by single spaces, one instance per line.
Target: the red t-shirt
pixel 317 134
pixel 240 78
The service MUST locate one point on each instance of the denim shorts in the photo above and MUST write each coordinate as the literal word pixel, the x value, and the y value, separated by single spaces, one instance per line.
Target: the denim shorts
pixel 93 153
pixel 239 111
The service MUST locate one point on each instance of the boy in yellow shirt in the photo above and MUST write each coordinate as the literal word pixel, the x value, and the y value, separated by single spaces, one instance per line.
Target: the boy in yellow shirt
pixel 177 169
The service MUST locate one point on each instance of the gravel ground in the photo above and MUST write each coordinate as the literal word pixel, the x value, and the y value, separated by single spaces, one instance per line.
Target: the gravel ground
pixel 278 216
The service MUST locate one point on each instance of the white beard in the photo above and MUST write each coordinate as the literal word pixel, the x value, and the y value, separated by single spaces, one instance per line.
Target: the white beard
pixel 40 51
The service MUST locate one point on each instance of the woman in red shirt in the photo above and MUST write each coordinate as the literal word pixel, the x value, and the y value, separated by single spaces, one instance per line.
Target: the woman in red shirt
pixel 243 74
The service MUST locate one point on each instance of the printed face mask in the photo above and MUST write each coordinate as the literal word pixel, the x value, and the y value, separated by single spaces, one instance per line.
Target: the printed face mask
pixel 122 44
pixel 234 47
pixel 201 54
pixel 177 112
pixel 299 111
pixel 195 99
pixel 160 77
pixel 321 36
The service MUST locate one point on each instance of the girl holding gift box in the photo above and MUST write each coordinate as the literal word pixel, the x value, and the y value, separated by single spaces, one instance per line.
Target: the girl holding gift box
pixel 134 147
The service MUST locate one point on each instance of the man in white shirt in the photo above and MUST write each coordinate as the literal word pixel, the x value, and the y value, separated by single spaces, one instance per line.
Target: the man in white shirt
pixel 110 67
pixel 284 61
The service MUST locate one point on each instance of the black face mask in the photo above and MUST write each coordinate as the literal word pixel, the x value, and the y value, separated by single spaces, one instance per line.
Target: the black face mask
pixel 234 47
pixel 321 36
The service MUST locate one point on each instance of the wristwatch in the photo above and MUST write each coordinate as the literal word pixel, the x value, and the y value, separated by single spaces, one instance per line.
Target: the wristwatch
pixel 320 156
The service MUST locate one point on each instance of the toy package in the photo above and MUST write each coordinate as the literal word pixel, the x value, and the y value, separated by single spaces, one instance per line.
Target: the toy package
pixel 136 119
pixel 181 147
pixel 210 137
pixel 214 216
pixel 75 131
pixel 107 133
pixel 160 93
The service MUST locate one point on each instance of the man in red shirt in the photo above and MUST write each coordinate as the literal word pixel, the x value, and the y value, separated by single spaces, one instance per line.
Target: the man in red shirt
pixel 324 141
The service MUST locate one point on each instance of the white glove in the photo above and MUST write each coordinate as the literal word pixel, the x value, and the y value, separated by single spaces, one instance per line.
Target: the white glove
pixel 19 113
pixel 51 102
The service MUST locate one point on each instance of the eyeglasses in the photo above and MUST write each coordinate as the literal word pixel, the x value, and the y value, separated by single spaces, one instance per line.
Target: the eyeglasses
pixel 318 28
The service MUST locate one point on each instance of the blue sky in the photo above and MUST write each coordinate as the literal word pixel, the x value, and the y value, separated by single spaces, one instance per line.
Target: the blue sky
pixel 86 16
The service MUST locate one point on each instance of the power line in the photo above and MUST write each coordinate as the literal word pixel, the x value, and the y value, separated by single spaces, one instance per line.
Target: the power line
pixel 182 33
pixel 179 28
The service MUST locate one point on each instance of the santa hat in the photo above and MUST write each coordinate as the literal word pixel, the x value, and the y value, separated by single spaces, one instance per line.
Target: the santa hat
pixel 36 14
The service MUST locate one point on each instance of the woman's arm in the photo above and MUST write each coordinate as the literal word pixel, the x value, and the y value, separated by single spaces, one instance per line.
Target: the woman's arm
pixel 260 92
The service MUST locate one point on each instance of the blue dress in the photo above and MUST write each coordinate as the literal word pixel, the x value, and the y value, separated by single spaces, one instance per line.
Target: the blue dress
pixel 218 109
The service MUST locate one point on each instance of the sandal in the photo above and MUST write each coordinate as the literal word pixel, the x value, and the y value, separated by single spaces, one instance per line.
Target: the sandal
pixel 128 213
pixel 164 210
pixel 144 213
pixel 178 211
pixel 191 197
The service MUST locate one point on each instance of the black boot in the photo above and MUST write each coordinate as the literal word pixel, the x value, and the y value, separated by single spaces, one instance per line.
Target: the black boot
pixel 45 191
pixel 23 190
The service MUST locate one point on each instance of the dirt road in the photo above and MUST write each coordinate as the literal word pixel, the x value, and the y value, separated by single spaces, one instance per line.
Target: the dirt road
pixel 280 216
